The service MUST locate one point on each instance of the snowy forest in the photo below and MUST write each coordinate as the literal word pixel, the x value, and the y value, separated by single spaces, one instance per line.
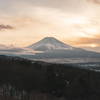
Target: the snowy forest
pixel 23 80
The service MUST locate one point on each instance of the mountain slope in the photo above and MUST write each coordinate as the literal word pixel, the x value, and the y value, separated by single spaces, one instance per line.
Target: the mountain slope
pixel 63 53
pixel 53 48
pixel 49 43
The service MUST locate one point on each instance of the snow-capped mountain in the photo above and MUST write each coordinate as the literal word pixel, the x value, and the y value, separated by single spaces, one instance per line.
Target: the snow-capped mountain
pixel 53 48
pixel 49 43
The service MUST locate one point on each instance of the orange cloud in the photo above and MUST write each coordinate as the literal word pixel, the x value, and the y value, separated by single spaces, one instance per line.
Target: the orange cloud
pixel 83 41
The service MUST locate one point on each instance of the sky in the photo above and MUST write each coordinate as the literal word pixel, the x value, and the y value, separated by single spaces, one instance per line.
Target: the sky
pixel 74 22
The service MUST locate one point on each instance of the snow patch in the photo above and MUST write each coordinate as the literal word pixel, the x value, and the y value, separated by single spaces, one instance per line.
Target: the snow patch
pixel 50 43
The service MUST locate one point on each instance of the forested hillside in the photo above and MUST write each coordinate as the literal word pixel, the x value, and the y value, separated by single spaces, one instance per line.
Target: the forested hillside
pixel 21 79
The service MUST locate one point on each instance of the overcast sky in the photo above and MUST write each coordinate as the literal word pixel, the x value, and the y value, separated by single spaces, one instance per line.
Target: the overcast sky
pixel 74 22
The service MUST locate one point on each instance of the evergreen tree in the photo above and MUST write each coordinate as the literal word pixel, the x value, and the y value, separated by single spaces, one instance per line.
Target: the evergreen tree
pixel 51 79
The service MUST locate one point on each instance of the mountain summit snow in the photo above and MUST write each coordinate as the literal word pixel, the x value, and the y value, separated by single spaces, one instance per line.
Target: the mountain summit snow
pixel 53 48
pixel 49 43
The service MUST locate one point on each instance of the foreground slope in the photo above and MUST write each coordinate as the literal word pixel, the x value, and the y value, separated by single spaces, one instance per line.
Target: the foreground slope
pixel 25 80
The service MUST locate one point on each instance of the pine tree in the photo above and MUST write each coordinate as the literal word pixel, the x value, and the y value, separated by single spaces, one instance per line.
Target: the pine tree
pixel 51 79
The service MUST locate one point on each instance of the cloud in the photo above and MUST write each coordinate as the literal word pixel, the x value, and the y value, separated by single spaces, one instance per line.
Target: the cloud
pixel 85 41
pixel 16 50
pixel 6 27
pixel 36 19
pixel 94 1
pixel 41 22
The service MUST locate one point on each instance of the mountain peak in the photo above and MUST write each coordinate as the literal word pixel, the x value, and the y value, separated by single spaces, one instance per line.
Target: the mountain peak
pixel 49 43
pixel 49 38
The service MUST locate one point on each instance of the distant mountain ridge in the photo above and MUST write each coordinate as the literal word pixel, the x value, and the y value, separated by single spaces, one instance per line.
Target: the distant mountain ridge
pixel 49 43
pixel 53 48
pixel 50 47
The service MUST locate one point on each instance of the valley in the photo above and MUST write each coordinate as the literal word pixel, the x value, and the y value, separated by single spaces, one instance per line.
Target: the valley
pixel 84 63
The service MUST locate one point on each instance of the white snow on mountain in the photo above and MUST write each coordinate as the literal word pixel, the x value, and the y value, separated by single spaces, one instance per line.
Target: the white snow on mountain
pixel 49 43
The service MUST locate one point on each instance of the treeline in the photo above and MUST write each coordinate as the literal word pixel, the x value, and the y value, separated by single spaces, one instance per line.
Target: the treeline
pixel 22 79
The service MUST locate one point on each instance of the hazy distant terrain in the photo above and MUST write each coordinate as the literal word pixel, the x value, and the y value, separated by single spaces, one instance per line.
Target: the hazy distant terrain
pixel 48 47
pixel 53 48
pixel 74 53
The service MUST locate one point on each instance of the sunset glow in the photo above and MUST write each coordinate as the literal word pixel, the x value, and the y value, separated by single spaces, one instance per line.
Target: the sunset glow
pixel 93 45
pixel 26 21
pixel 76 20
pixel 92 31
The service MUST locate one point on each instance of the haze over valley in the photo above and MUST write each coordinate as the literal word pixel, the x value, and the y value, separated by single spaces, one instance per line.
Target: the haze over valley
pixel 51 50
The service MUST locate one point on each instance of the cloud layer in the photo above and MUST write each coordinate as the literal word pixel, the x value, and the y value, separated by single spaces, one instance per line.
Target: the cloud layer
pixel 75 22
pixel 11 50
pixel 6 27
pixel 94 1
